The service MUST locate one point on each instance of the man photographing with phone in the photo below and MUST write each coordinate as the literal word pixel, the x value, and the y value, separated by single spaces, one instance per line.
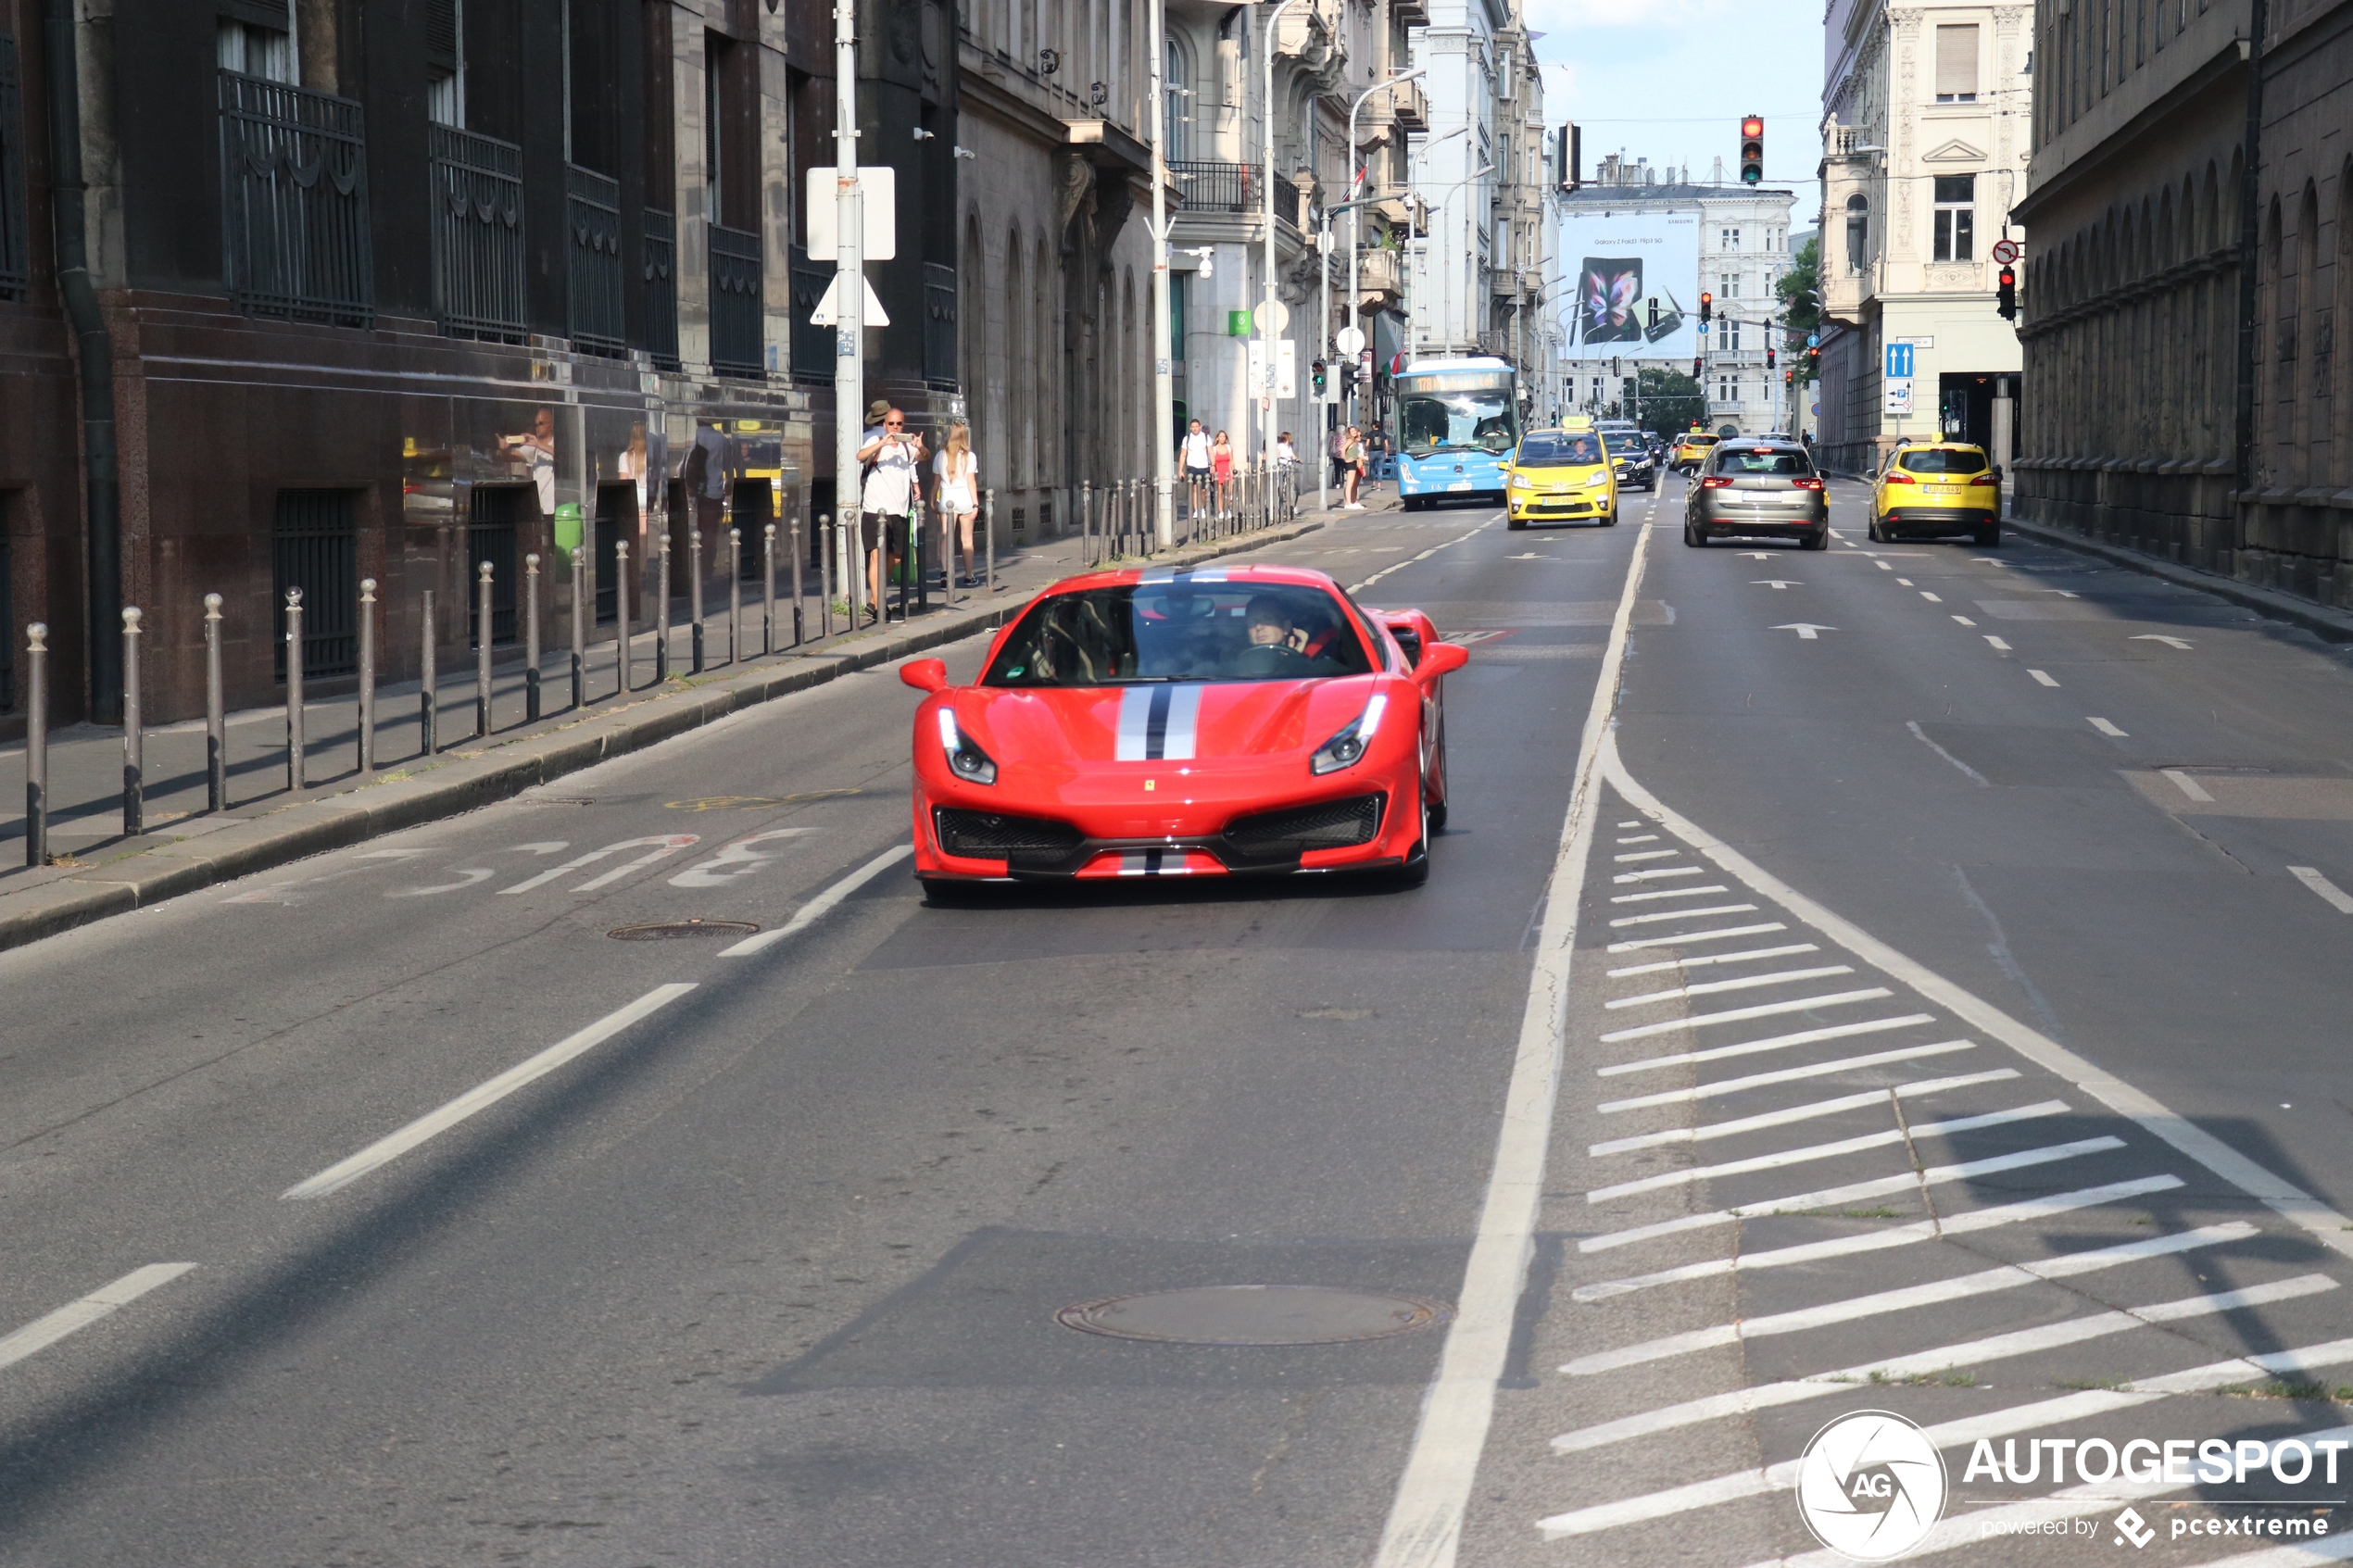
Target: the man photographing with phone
pixel 889 456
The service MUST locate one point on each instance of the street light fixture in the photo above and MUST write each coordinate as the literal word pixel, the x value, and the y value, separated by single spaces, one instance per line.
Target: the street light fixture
pixel 1266 313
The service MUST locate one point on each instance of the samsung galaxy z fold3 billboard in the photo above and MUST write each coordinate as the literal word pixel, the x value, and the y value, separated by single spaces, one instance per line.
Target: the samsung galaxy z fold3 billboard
pixel 1637 289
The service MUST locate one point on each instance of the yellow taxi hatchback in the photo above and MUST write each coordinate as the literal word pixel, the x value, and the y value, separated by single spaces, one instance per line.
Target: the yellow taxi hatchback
pixel 1561 475
pixel 1691 450
pixel 1937 488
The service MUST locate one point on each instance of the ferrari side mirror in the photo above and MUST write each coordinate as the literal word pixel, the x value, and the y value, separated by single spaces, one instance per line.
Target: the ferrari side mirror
pixel 1441 659
pixel 925 674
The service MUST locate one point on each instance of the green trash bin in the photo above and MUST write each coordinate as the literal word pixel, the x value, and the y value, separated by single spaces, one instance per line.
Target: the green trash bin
pixel 568 529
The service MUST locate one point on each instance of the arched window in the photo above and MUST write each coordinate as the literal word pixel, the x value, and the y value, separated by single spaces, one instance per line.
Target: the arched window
pixel 1858 233
pixel 1021 396
pixel 1175 88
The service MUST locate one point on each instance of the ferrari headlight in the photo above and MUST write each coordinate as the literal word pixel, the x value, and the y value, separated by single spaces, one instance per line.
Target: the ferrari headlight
pixel 1344 749
pixel 1521 481
pixel 965 759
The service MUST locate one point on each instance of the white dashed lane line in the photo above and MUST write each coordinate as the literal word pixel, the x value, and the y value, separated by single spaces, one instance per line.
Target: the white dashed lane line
pixel 45 1331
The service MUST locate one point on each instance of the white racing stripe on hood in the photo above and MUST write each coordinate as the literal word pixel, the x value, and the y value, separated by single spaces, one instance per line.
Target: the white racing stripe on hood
pixel 1181 574
pixel 1158 723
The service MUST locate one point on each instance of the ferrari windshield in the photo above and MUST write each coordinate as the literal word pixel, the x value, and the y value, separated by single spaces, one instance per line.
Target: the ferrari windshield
pixel 1434 422
pixel 1180 632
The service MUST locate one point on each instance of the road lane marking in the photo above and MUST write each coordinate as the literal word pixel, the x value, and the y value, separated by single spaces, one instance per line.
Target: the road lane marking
pixel 1783 1076
pixel 1809 1111
pixel 486 1093
pixel 1806 631
pixel 2105 727
pixel 1659 875
pixel 1964 621
pixel 2324 1224
pixel 738 859
pixel 1908 1298
pixel 47 1329
pixel 1743 983
pixel 1425 1525
pixel 813 911
pixel 1358 587
pixel 1637 837
pixel 1669 893
pixel 1678 914
pixel 659 847
pixel 1684 937
pixel 1702 962
pixel 1848 1192
pixel 2187 784
pixel 1831 1150
pixel 2042 678
pixel 2157 637
pixel 1928 1364
pixel 1930 598
pixel 1737 1015
pixel 1921 736
pixel 1646 855
pixel 1997 645
pixel 2330 893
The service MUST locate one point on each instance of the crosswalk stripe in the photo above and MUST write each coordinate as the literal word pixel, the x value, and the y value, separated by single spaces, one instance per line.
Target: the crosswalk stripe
pixel 1706 960
pixel 1823 1150
pixel 1680 937
pixel 1672 893
pixel 1927 1364
pixel 1676 914
pixel 1784 1117
pixel 1784 1075
pixel 2007 1277
pixel 1646 855
pixel 2083 1406
pixel 1763 1010
pixel 1660 875
pixel 1779 1042
pixel 1741 983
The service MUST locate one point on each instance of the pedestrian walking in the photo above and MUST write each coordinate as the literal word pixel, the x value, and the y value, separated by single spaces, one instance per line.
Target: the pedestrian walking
pixel 1221 468
pixel 1351 468
pixel 956 492
pixel 1196 469
pixel 887 456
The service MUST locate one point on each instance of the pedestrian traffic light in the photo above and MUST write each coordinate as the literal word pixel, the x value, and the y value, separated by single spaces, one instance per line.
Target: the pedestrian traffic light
pixel 2006 293
pixel 1706 308
pixel 1772 357
pixel 1752 150
pixel 1317 371
pixel 1699 366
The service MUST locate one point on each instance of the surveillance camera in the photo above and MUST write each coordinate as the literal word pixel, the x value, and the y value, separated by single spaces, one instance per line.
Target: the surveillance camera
pixel 1208 269
pixel 924 135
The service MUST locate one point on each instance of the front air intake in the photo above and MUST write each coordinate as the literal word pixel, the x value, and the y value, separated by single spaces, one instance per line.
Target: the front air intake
pixel 988 836
pixel 1330 824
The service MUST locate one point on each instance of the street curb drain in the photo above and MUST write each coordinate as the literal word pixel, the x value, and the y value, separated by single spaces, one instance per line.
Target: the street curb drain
pixel 694 926
pixel 1254 1314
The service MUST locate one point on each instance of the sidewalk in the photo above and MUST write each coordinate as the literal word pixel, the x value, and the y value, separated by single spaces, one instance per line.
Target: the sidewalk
pixel 96 870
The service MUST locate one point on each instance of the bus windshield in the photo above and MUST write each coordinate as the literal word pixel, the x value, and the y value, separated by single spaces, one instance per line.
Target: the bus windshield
pixel 1458 421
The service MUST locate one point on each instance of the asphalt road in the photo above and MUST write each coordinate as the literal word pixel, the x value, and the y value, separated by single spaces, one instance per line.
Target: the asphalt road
pixel 756 1257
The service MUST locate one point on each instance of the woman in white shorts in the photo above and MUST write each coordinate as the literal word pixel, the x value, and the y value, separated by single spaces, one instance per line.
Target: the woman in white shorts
pixel 956 475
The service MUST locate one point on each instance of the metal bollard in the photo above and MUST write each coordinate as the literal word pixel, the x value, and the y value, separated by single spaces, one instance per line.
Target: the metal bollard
pixel 295 736
pixel 367 674
pixel 580 614
pixel 36 745
pixel 135 783
pixel 989 527
pixel 624 656
pixel 694 593
pixel 216 727
pixel 768 589
pixel 661 610
pixel 849 536
pixel 734 594
pixel 531 639
pixel 825 574
pixel 1086 523
pixel 482 652
pixel 428 695
pixel 796 623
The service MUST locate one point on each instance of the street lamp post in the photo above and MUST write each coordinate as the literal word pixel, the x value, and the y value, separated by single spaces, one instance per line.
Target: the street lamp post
pixel 1405 293
pixel 1443 203
pixel 1355 189
pixel 1266 312
pixel 1164 373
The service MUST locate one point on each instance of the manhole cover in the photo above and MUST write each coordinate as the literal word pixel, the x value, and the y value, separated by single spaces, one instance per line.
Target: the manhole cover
pixel 661 930
pixel 1253 1315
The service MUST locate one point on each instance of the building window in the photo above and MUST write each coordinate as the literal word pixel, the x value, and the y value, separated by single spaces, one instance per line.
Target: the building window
pixel 1728 285
pixel 1727 390
pixel 1956 211
pixel 1732 240
pixel 1858 234
pixel 1732 336
pixel 1176 86
pixel 256 51
pixel 1957 64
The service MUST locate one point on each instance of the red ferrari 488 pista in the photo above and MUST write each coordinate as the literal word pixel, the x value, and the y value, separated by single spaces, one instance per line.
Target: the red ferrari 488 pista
pixel 1172 722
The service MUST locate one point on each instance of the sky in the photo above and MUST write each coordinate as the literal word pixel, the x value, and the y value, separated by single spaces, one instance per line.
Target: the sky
pixel 1670 80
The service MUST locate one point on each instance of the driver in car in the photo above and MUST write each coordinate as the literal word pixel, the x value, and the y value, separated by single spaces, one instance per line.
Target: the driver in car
pixel 1272 649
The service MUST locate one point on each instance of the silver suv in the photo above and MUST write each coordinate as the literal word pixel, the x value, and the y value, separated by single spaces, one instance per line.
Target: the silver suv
pixel 1762 487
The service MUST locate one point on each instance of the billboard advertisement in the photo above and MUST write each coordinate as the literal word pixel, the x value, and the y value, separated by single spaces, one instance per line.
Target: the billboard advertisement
pixel 1637 289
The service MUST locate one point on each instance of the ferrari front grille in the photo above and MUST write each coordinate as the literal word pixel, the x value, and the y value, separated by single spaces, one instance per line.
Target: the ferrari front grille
pixel 1330 824
pixel 991 836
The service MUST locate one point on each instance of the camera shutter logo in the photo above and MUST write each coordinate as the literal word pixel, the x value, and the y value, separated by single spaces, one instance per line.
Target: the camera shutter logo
pixel 1871 1486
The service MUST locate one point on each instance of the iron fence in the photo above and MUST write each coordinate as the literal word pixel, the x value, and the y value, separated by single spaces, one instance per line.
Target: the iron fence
pixel 661 288
pixel 592 224
pixel 1116 520
pixel 737 327
pixel 1236 187
pixel 293 203
pixel 315 547
pixel 477 234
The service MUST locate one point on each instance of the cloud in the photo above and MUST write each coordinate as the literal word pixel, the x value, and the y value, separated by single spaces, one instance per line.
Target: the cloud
pixel 1673 21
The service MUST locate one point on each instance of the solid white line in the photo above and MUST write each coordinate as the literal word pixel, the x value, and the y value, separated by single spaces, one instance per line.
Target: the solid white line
pixel 1680 914
pixel 2325 1224
pixel 1921 736
pixel 2187 784
pixel 1715 935
pixel 2334 896
pixel 1667 893
pixel 486 1093
pixel 1645 855
pixel 1928 1364
pixel 1744 983
pixel 2042 678
pixel 1806 1112
pixel 1780 1157
pixel 1657 875
pixel 47 1329
pixel 1778 1042
pixel 1425 1525
pixel 1905 1298
pixel 2106 728
pixel 1786 1076
pixel 815 910
pixel 1737 1015
pixel 1853 1192
pixel 1664 964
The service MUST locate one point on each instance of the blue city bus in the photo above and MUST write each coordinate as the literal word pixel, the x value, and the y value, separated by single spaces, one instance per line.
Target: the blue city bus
pixel 1457 423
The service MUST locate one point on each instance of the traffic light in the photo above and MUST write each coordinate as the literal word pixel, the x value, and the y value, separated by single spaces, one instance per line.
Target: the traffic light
pixel 1752 150
pixel 1699 369
pixel 2006 293
pixel 1317 373
pixel 1706 308
pixel 1613 370
pixel 1572 158
pixel 1789 378
pixel 1772 357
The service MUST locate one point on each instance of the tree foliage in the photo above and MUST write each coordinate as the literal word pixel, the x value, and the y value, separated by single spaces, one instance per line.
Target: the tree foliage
pixel 1671 400
pixel 1801 293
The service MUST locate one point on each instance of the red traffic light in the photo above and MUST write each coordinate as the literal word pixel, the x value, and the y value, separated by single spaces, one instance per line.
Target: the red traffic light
pixel 1706 308
pixel 1752 129
pixel 1752 150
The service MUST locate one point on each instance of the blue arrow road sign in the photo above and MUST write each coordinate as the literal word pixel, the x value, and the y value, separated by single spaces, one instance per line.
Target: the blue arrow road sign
pixel 1899 361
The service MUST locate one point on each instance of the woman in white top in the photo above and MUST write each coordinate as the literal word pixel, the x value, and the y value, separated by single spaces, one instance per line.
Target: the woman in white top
pixel 956 475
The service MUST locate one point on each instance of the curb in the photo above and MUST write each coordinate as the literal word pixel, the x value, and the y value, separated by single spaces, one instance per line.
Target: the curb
pixel 466 781
pixel 2331 625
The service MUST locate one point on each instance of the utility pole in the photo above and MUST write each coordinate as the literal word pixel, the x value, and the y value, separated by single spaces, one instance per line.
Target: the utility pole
pixel 1164 344
pixel 1265 392
pixel 849 294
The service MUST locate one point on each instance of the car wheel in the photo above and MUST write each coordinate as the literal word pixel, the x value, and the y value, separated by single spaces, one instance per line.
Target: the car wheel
pixel 1817 540
pixel 1989 536
pixel 1610 520
pixel 1877 535
pixel 1515 523
pixel 1691 536
pixel 1416 871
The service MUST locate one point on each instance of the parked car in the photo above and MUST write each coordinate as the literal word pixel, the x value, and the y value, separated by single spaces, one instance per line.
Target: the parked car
pixel 1758 488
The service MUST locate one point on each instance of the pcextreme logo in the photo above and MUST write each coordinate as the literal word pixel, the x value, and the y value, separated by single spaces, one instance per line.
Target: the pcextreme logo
pixel 1871 1486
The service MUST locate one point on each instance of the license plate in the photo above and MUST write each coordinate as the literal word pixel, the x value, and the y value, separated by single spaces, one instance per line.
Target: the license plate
pixel 1944 491
pixel 1460 484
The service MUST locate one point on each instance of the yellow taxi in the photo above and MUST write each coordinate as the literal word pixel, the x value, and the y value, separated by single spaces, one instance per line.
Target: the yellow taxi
pixel 1691 449
pixel 1561 475
pixel 1933 488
